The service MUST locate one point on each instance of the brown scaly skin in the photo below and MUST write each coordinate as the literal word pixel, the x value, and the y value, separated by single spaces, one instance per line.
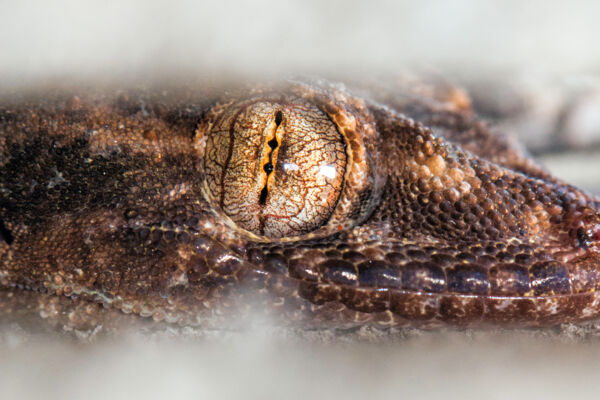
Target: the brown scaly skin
pixel 103 201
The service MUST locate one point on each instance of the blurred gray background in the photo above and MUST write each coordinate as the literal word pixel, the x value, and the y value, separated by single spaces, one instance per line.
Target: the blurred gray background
pixel 533 65
pixel 83 38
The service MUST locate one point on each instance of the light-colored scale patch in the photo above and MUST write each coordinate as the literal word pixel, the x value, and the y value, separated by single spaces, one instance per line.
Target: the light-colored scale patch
pixel 369 233
pixel 74 289
pixel 178 190
pixel 547 306
pixel 179 278
pixel 592 308
pixel 504 305
pixel 427 302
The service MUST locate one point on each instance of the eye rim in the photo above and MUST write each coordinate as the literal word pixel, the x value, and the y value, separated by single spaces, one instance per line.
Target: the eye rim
pixel 363 179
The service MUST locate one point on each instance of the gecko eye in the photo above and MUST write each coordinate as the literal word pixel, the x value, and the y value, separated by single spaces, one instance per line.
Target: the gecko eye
pixel 275 169
pixel 279 166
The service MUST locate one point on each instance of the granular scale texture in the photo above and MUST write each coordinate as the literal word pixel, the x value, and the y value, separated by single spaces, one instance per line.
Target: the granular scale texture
pixel 318 207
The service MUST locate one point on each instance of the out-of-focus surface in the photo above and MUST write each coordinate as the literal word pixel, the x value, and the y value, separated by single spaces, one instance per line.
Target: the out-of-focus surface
pixel 254 366
pixel 69 37
pixel 533 68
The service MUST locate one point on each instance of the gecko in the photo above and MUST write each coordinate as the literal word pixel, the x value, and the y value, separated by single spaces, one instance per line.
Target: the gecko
pixel 320 204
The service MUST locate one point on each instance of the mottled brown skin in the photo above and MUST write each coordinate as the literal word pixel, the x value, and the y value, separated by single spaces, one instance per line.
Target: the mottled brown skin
pixel 439 221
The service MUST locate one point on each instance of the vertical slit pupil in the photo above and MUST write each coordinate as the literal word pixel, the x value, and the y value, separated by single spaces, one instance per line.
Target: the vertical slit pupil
pixel 263 196
pixel 268 167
